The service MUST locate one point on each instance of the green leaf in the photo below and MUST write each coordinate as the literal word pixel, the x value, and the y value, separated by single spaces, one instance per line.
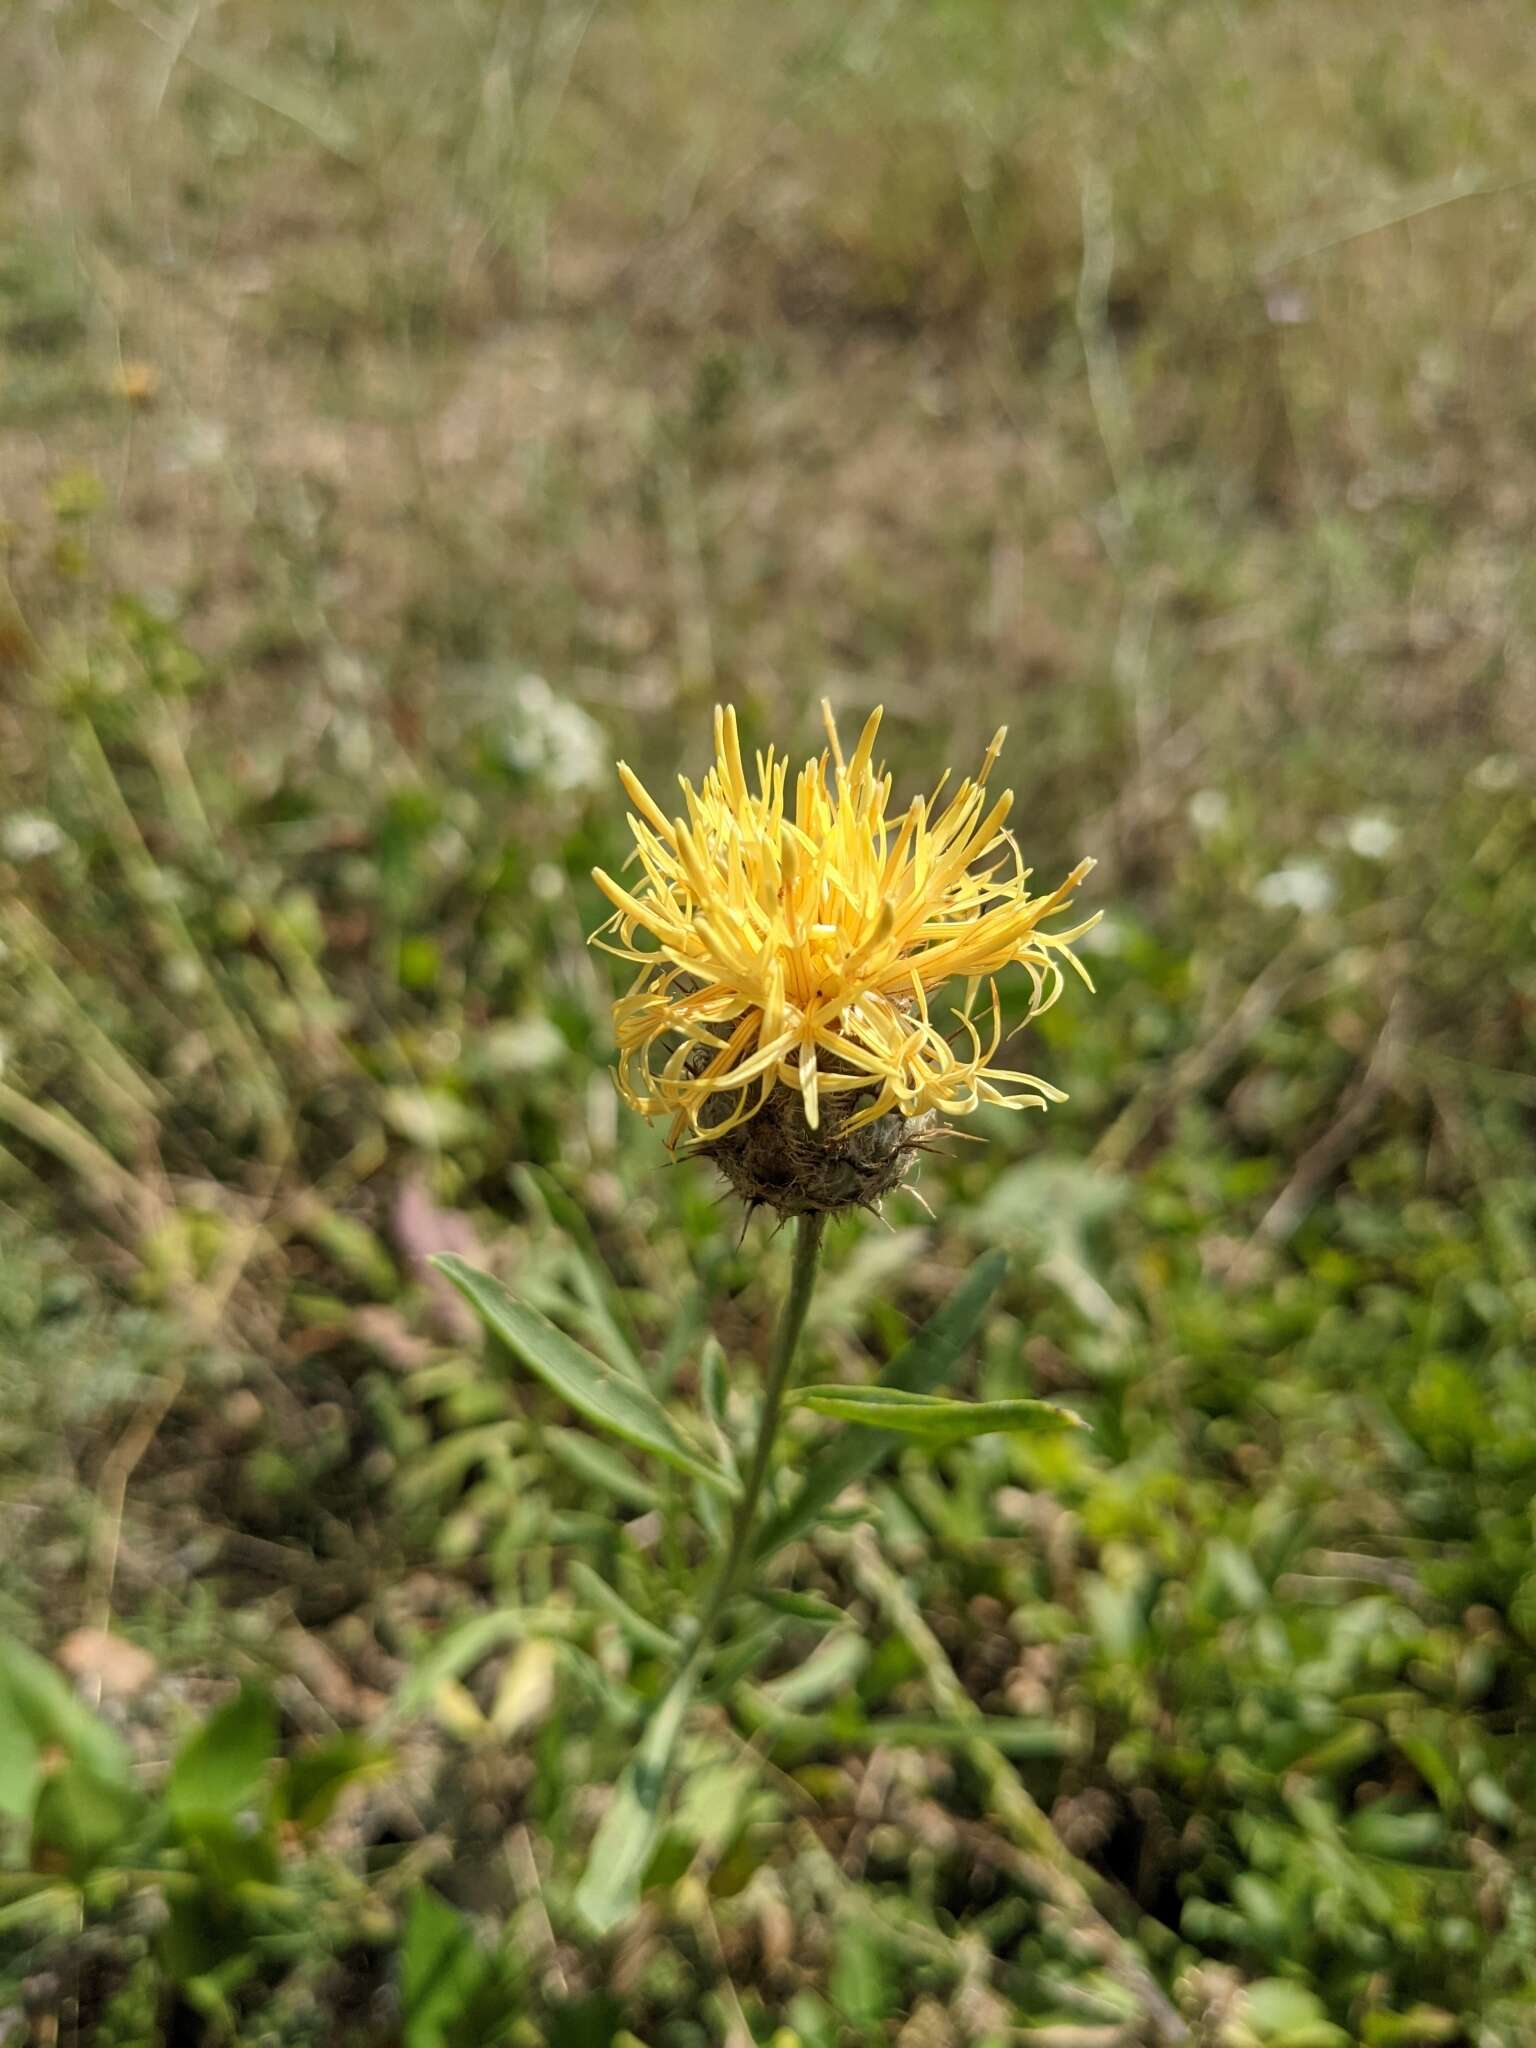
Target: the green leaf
pixel 453 1993
pixel 355 1248
pixel 82 1817
pixel 441 1970
pixel 456 1651
pixel 1056 1206
pixel 317 1777
pixel 918 1367
pixel 845 1726
pixel 734 1661
pixel 714 1376
pixel 222 1768
pixel 936 1418
pixel 861 1981
pixel 592 1388
pixel 646 1635
pixel 609 1890
pixel 431 1118
pixel 1522 1609
pixel 800 1606
pixel 39 1712
pixel 51 1907
pixel 230 1857
pixel 21 1768
pixel 832 1667
pixel 600 1465
pixel 589 1273
pixel 204 1944
pixel 1289 2015
pixel 682 1338
pixel 877 1263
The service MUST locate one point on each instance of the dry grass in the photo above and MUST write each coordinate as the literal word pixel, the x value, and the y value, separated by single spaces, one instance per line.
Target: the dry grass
pixel 678 350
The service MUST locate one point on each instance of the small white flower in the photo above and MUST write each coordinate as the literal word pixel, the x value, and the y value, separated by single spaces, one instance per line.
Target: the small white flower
pixel 449 849
pixel 1208 811
pixel 1371 835
pixel 28 835
pixel 1497 773
pixel 553 739
pixel 1305 885
pixel 522 1045
pixel 201 444
pixel 183 977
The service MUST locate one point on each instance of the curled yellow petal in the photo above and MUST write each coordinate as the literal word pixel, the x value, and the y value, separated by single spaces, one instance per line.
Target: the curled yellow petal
pixel 789 933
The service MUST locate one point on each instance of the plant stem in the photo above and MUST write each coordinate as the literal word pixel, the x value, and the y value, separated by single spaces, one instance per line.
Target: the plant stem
pixel 802 1282
pixel 610 1889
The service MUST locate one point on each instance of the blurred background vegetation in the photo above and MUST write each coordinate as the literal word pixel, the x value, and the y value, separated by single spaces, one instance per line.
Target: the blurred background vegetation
pixel 405 409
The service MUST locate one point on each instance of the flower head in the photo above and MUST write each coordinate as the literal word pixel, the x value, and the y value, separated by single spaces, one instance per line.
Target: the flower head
pixel 788 941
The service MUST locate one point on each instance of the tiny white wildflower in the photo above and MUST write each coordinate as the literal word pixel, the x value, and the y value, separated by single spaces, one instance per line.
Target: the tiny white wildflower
pixel 28 835
pixel 1305 885
pixel 1209 811
pixel 1499 772
pixel 553 739
pixel 1371 835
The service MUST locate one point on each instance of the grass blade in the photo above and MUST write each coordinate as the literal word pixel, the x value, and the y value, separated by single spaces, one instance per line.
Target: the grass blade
pixel 609 1891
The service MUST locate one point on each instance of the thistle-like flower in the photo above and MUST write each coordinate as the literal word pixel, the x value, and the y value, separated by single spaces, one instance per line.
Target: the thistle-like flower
pixel 787 955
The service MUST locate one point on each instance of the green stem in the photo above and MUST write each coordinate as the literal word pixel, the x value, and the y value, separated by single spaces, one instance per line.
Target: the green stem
pixel 802 1282
pixel 610 1889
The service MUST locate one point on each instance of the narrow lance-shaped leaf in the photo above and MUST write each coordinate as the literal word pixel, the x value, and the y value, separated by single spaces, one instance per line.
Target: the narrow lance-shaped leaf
pixel 807 1607
pixel 592 1277
pixel 317 1777
pixel 609 1890
pixel 918 1367
pixel 456 1651
pixel 646 1634
pixel 594 1389
pixel 934 1417
pixel 601 1466
pixel 737 1660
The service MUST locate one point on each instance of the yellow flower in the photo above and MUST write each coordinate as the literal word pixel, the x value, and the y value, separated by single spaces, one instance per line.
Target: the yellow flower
pixel 799 943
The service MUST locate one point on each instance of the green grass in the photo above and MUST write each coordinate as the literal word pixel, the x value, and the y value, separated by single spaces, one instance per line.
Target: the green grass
pixel 510 385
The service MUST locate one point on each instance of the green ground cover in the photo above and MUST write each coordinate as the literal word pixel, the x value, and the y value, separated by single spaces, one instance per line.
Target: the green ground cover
pixel 403 412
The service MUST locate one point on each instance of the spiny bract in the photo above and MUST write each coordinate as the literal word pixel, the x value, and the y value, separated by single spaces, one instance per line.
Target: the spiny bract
pixel 796 948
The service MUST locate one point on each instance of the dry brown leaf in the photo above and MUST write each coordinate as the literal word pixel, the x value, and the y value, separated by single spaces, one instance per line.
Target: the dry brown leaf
pixel 117 1665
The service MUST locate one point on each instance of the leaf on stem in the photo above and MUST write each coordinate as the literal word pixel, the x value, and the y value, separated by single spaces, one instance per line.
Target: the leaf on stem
pixel 918 1367
pixel 935 1418
pixel 607 1398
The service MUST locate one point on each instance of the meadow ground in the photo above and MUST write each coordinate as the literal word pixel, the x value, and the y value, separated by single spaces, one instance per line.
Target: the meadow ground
pixel 402 412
